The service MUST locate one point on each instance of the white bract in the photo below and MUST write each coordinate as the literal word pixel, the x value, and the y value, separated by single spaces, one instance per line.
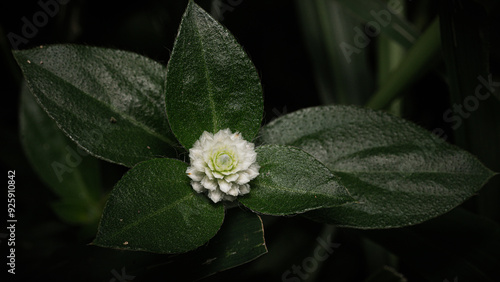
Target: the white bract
pixel 222 164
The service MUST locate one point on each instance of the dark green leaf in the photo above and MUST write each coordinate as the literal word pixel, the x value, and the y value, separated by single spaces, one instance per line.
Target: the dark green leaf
pixel 292 181
pixel 240 240
pixel 211 84
pixel 153 208
pixel 78 211
pixel 68 171
pixel 421 57
pixel 109 102
pixel 389 56
pixel 399 173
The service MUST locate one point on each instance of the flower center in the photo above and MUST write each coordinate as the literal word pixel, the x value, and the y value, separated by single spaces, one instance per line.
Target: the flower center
pixel 223 161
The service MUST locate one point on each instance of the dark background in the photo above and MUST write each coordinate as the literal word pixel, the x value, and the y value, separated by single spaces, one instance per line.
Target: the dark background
pixel 270 33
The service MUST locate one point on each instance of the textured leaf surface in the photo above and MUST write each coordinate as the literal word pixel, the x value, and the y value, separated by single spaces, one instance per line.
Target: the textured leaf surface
pixel 240 240
pixel 292 181
pixel 110 102
pixel 399 173
pixel 153 208
pixel 210 75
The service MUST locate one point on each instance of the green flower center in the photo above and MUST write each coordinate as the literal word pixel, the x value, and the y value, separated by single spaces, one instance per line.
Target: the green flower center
pixel 223 161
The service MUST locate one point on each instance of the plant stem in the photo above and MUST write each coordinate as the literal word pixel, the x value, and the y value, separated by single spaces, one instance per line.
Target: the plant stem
pixel 421 57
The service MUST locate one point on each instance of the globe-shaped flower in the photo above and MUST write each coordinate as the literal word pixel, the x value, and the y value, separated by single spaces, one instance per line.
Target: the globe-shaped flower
pixel 222 164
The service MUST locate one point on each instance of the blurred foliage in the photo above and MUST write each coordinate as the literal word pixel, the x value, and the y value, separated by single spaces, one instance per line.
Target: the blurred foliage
pixel 294 46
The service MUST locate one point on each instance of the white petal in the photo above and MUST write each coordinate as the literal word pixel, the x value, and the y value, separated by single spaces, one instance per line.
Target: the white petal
pixel 217 175
pixel 236 136
pixel 197 186
pixel 234 191
pixel 195 152
pixel 215 195
pixel 224 186
pixel 224 180
pixel 208 183
pixel 222 134
pixel 206 136
pixel 243 179
pixel 244 164
pixel 253 171
pixel 244 189
pixel 225 173
pixel 196 146
pixel 194 174
pixel 232 177
pixel 229 198
pixel 208 173
pixel 198 164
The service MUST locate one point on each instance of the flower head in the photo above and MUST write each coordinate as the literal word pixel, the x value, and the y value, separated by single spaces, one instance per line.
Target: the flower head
pixel 222 164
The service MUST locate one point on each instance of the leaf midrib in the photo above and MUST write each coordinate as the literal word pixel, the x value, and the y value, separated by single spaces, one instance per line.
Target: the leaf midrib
pixel 300 191
pixel 207 77
pixel 149 216
pixel 129 118
pixel 354 172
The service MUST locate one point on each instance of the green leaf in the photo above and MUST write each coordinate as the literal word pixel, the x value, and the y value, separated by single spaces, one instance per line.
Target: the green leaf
pixel 210 75
pixel 240 240
pixel 421 57
pixel 292 181
pixel 68 171
pixel 153 208
pixel 109 102
pixel 389 55
pixel 78 211
pixel 399 173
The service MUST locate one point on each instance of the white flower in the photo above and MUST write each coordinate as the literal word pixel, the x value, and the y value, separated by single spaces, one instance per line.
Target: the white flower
pixel 222 164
